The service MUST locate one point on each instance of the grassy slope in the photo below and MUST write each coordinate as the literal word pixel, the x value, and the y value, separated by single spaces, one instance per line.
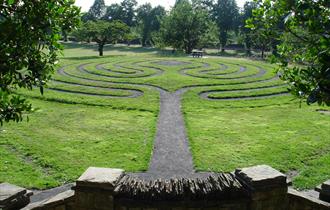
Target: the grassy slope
pixel 60 141
pixel 285 137
pixel 63 139
pixel 71 132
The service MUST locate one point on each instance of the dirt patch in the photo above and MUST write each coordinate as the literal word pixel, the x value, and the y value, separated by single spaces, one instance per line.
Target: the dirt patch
pixel 171 63
pixel 291 175
pixel 323 111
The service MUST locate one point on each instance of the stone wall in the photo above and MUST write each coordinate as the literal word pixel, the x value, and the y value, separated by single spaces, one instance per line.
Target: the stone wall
pixel 299 201
pixel 255 188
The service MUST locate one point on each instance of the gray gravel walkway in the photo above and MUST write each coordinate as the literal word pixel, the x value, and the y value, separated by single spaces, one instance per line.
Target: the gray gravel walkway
pixel 171 154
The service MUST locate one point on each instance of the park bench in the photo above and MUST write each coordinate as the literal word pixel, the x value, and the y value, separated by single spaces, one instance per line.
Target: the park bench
pixel 197 53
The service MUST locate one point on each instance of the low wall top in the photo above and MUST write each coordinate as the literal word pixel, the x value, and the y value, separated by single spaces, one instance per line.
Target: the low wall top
pixel 215 186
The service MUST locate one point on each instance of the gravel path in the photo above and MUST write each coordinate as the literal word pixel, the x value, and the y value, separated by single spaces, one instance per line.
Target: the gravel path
pixel 171 154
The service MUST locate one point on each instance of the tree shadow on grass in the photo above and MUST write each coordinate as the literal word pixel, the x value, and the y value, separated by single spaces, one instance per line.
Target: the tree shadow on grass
pixel 121 48
pixel 230 53
pixel 81 58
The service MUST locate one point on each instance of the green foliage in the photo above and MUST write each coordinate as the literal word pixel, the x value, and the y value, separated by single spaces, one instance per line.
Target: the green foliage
pixel 29 47
pixel 128 9
pixel 306 44
pixel 114 12
pixel 210 38
pixel 226 16
pixel 125 12
pixel 149 20
pixel 184 27
pixel 133 35
pixel 96 12
pixel 102 32
pixel 265 34
pixel 12 108
pixel 248 36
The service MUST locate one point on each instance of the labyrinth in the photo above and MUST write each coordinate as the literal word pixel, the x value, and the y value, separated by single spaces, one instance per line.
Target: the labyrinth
pixel 129 78
pixel 165 117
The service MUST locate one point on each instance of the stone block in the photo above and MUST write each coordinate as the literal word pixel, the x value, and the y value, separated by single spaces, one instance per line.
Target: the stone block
pixel 62 207
pixel 60 199
pixel 262 176
pixel 326 187
pixel 266 186
pixel 300 201
pixel 101 178
pixel 13 197
pixel 325 191
pixel 94 189
pixel 57 202
pixel 84 199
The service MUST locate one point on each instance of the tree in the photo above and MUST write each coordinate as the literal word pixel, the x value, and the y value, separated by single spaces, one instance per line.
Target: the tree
pixel 204 4
pixel 114 12
pixel 68 26
pixel 304 54
pixel 210 37
pixel 97 11
pixel 245 31
pixel 265 36
pixel 149 21
pixel 84 32
pixel 29 47
pixel 128 9
pixel 184 26
pixel 226 16
pixel 103 32
pixel 144 22
pixel 125 12
pixel 132 36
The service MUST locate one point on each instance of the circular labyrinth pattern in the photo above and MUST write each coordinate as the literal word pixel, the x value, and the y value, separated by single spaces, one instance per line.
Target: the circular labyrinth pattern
pixel 217 81
pixel 96 79
pixel 238 82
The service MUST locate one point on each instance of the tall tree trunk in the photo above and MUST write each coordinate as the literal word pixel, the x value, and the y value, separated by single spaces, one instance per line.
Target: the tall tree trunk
pixel 65 36
pixel 223 40
pixel 101 46
pixel 144 40
pixel 189 49
pixel 248 45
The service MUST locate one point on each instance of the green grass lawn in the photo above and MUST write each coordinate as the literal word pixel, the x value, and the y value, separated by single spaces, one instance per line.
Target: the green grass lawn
pixel 285 137
pixel 61 140
pixel 84 118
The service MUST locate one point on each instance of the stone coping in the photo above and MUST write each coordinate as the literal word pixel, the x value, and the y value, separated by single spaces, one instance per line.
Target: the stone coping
pixel 261 176
pixel 9 192
pixel 104 178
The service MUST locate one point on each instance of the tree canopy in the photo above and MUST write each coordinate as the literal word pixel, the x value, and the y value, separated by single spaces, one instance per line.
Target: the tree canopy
pixel 248 36
pixel 96 12
pixel 304 54
pixel 226 16
pixel 29 36
pixel 103 32
pixel 184 27
pixel 149 20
